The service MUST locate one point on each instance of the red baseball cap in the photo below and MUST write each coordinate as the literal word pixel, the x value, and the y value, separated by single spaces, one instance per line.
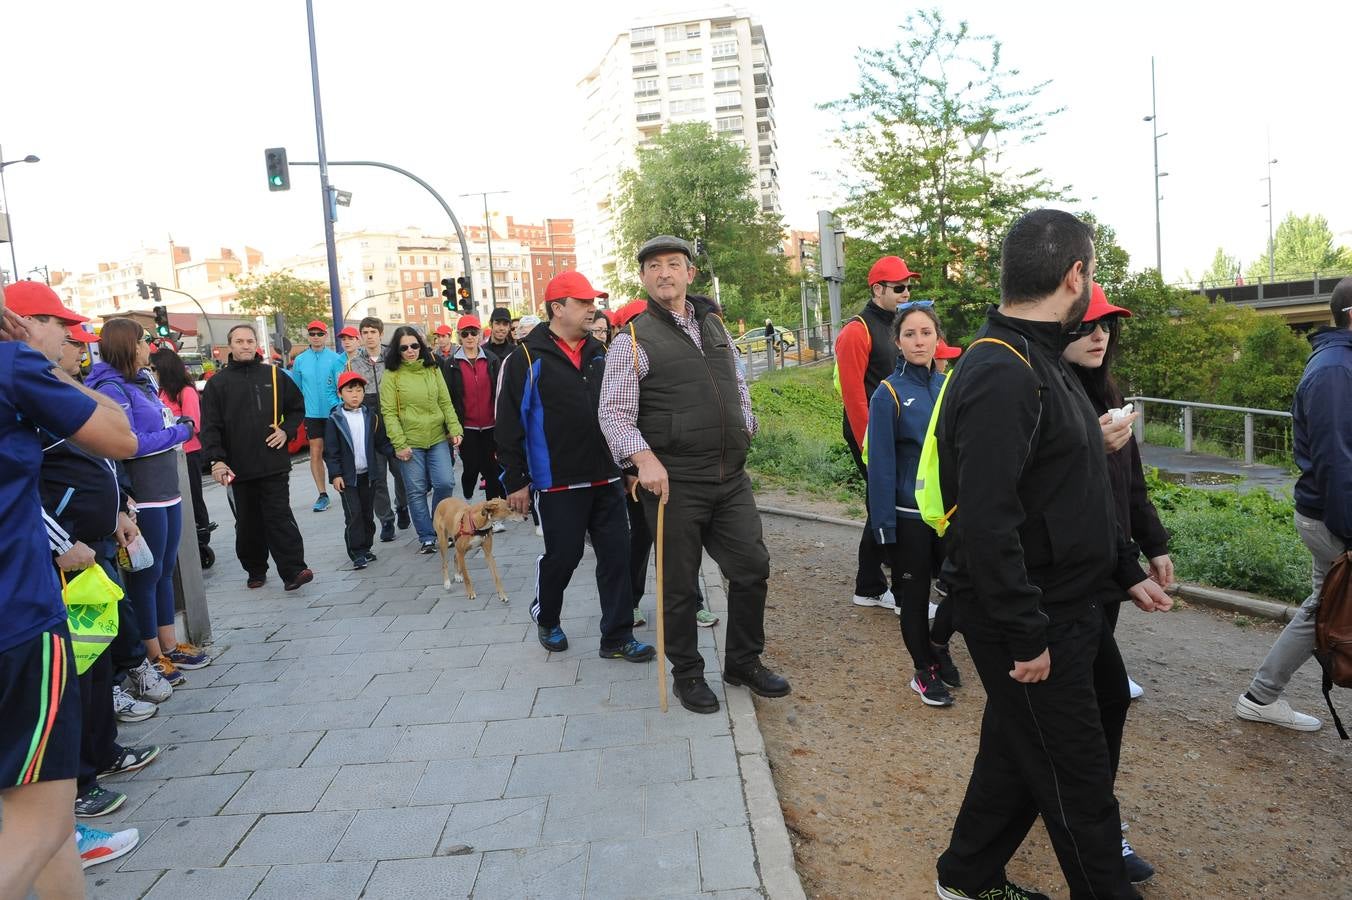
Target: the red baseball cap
pixel 33 298
pixel 348 377
pixel 443 329
pixel 467 322
pixel 574 285
pixel 317 325
pixel 620 317
pixel 1100 307
pixel 890 268
pixel 943 351
pixel 348 331
pixel 82 334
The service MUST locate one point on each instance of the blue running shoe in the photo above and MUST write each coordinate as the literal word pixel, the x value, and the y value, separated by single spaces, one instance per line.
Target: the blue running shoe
pixel 552 639
pixel 634 650
pixel 322 503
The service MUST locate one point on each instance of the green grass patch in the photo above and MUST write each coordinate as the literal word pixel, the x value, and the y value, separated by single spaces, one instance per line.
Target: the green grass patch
pixel 799 444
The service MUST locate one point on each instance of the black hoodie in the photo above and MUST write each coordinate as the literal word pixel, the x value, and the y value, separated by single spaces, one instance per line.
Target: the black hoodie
pixel 237 416
pixel 1035 540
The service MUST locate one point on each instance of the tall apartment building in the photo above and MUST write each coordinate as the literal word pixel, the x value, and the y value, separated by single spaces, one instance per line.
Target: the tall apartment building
pixel 712 66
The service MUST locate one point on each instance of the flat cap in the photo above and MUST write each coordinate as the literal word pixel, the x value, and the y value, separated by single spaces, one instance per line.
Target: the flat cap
pixel 665 243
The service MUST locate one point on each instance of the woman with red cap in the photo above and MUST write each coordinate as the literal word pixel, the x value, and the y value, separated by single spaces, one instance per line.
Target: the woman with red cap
pixel 471 373
pixel 1091 357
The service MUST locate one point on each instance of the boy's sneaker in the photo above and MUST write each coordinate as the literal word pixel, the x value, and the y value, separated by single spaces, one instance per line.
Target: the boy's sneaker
pixel 947 670
pixel 1007 891
pixel 102 846
pixel 128 709
pixel 633 651
pixel 1138 870
pixel 370 557
pixel 148 684
pixel 552 639
pixel 359 563
pixel 705 619
pixel 322 503
pixel 98 801
pixel 130 759
pixel 387 531
pixel 189 656
pixel 169 672
pixel 931 688
pixel 640 620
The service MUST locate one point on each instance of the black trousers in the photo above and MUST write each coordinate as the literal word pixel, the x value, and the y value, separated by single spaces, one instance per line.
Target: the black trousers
pixel 98 725
pixel 359 520
pixel 640 548
pixel 479 454
pixel 869 580
pixel 127 651
pixel 565 516
pixel 199 506
pixel 1042 751
pixel 723 519
pixel 264 524
pixel 916 557
pixel 1110 684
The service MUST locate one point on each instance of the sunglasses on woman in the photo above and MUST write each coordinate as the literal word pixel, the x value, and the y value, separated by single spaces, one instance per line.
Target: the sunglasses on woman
pixel 1084 329
pixel 470 332
pixel 407 347
pixel 914 304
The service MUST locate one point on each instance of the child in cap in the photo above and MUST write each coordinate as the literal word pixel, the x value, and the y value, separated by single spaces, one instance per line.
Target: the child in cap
pixel 353 433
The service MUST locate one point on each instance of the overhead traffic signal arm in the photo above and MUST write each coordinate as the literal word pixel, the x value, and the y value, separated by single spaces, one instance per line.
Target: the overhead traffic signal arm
pixel 279 173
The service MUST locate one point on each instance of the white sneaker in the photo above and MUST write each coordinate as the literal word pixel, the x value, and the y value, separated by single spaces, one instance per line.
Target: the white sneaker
pixel 147 683
pixel 128 709
pixel 887 601
pixel 933 611
pixel 1278 712
pixel 1134 689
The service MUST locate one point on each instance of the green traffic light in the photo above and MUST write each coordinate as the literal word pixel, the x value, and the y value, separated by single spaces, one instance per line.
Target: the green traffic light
pixel 277 180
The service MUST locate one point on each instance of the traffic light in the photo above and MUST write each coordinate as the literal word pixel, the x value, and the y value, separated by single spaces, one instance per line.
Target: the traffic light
pixel 161 322
pixel 466 294
pixel 142 289
pixel 155 292
pixel 448 293
pixel 279 173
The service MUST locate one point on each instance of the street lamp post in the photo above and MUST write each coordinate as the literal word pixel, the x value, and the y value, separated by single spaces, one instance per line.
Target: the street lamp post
pixel 1155 127
pixel 4 196
pixel 1272 246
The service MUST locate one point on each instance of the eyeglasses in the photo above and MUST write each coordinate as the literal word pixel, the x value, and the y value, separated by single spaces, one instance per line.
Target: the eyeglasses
pixel 914 304
pixel 408 347
pixel 1084 329
pixel 901 288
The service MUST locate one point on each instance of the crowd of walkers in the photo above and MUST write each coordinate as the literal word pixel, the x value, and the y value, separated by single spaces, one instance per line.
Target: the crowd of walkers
pixel 609 428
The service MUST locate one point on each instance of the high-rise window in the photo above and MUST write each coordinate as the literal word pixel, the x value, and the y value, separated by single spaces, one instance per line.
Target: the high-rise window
pixel 729 123
pixel 727 76
pixel 725 50
pixel 728 99
pixel 642 37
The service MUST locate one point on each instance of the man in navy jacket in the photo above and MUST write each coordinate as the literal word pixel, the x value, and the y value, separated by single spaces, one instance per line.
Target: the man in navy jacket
pixel 1322 439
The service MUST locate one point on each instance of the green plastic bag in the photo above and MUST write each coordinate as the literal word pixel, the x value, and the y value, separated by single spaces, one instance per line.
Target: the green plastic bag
pixel 91 612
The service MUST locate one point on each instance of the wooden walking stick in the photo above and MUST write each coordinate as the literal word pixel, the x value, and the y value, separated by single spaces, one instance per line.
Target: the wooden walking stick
pixel 661 618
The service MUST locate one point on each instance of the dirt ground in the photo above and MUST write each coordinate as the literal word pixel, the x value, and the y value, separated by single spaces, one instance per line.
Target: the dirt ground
pixel 870 780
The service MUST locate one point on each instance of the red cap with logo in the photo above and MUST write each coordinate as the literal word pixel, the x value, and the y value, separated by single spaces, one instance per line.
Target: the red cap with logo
pixel 1100 307
pixel 33 298
pixel 317 325
pixel 890 268
pixel 82 334
pixel 348 377
pixel 943 351
pixel 444 329
pixel 348 331
pixel 468 322
pixel 571 284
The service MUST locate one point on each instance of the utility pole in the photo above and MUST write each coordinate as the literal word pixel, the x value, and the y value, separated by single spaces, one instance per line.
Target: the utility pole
pixel 832 247
pixel 1155 126
pixel 1272 244
pixel 488 236
pixel 335 289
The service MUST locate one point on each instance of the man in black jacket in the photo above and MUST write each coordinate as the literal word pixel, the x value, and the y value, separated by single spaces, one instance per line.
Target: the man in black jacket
pixel 250 411
pixel 1034 551
pixel 549 442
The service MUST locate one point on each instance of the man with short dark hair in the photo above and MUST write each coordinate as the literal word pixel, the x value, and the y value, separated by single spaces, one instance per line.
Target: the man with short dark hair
pixel 677 415
pixel 249 413
pixel 369 362
pixel 1034 550
pixel 1321 435
pixel 500 341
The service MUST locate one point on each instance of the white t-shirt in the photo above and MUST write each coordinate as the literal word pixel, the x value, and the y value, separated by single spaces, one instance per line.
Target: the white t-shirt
pixel 356 424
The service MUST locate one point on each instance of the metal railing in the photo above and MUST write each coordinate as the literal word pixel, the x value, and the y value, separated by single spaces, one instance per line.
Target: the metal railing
pixel 805 347
pixel 1186 424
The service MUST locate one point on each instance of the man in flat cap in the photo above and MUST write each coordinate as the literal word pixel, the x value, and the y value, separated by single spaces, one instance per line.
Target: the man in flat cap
pixel 677 415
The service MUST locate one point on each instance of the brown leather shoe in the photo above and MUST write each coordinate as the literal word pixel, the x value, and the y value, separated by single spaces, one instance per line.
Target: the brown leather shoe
pixel 303 577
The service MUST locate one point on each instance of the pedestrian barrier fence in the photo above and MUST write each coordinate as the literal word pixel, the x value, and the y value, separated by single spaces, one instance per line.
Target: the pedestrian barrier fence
pixel 1258 433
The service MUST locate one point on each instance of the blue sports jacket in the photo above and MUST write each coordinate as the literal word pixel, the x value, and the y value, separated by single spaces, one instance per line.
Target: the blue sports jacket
pixel 898 416
pixel 1322 431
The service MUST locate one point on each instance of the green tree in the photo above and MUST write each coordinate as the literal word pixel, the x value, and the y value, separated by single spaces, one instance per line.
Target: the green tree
pixel 1223 269
pixel 921 135
pixel 1304 245
pixel 300 300
pixel 694 184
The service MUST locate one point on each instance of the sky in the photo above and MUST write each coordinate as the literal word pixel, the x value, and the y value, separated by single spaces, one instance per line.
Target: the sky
pixel 151 117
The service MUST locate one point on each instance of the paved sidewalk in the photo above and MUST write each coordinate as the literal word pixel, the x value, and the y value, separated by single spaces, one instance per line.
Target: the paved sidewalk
pixel 373 735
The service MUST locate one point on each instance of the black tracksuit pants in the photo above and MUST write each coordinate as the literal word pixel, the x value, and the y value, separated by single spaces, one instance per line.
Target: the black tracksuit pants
pixel 723 519
pixel 869 580
pixel 1042 751
pixel 359 517
pixel 916 557
pixel 1110 684
pixel 565 516
pixel 479 455
pixel 265 524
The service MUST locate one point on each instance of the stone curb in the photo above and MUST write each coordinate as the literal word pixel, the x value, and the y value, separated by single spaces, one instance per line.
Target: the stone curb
pixel 769 834
pixel 1216 598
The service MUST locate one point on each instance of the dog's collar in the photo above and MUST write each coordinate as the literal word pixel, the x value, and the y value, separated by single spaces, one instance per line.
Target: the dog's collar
pixel 474 532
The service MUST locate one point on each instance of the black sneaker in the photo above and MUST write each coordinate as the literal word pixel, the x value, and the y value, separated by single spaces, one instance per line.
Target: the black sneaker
pixel 404 520
pixel 633 651
pixel 130 759
pixel 359 563
pixel 931 688
pixel 370 557
pixel 387 531
pixel 428 548
pixel 98 801
pixel 695 695
pixel 1007 891
pixel 552 638
pixel 947 670
pixel 1138 870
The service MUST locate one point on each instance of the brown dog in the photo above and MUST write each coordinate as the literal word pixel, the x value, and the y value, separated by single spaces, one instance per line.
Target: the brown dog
pixel 470 528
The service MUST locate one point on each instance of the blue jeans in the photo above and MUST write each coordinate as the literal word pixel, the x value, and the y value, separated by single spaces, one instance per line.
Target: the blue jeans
pixel 429 469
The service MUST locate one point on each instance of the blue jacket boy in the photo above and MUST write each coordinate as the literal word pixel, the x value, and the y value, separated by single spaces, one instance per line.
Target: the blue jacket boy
pixel 898 416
